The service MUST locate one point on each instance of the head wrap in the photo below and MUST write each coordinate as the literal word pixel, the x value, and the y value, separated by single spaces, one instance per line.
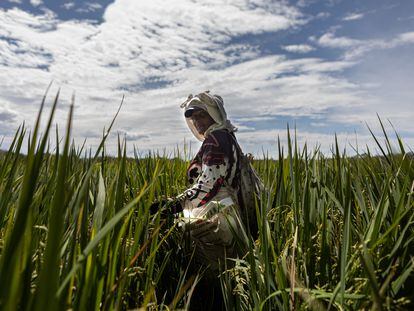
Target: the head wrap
pixel 214 106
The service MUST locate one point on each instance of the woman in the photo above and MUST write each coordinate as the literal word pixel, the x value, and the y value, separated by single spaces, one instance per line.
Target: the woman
pixel 210 206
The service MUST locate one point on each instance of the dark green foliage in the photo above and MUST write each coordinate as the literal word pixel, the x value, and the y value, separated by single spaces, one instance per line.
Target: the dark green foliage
pixel 76 233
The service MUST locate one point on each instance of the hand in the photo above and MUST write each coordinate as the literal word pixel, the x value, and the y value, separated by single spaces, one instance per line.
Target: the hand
pixel 215 230
pixel 157 205
pixel 173 206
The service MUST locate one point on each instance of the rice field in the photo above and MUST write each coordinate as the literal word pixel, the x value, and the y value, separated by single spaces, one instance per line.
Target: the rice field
pixel 335 232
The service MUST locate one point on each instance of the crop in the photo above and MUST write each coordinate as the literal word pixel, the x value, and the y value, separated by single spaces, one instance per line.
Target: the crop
pixel 76 233
pixel 335 233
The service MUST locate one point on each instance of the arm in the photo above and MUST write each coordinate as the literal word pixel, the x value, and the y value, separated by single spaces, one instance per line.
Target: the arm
pixel 218 160
pixel 210 180
pixel 206 187
pixel 204 190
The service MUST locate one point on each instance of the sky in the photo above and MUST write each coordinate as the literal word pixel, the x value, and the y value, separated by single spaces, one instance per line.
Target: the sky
pixel 323 67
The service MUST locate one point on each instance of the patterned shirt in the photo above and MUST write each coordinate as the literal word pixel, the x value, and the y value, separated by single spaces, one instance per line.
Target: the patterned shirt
pixel 213 171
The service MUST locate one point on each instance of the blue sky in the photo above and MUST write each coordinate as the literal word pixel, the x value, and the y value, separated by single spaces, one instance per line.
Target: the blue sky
pixel 325 67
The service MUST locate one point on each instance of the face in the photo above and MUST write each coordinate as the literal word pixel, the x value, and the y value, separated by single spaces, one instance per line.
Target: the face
pixel 202 121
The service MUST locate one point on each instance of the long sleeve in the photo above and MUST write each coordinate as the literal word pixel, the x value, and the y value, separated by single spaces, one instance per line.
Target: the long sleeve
pixel 207 186
pixel 212 169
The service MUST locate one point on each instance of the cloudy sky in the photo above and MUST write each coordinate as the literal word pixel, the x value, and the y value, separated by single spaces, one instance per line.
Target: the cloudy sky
pixel 323 66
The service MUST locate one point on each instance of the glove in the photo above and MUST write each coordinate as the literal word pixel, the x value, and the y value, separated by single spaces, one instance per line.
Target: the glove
pixel 215 230
pixel 172 207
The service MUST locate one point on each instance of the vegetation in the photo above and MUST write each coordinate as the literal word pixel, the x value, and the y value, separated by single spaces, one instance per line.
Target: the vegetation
pixel 75 230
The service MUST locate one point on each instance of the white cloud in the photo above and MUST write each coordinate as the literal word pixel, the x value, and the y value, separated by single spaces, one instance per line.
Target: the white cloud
pixel 36 2
pixel 355 48
pixel 330 40
pixel 7 115
pixel 298 48
pixel 68 5
pixel 184 44
pixel 156 53
pixel 254 140
pixel 407 37
pixel 89 7
pixel 255 118
pixel 305 3
pixel 323 15
pixel 353 16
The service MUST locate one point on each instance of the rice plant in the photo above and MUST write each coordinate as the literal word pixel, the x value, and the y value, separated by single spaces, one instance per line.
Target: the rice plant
pixel 335 232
